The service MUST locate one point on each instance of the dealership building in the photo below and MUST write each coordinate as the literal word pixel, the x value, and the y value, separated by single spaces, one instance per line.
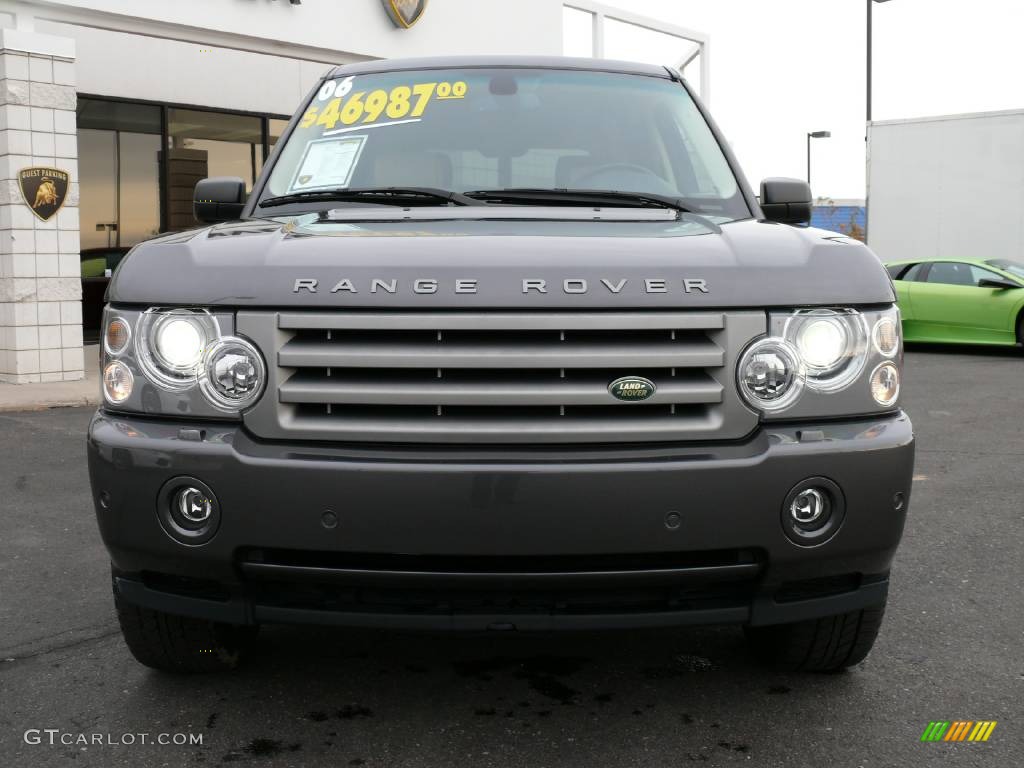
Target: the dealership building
pixel 111 110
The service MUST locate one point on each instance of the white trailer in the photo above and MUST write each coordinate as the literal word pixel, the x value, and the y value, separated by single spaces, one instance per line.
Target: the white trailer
pixel 947 186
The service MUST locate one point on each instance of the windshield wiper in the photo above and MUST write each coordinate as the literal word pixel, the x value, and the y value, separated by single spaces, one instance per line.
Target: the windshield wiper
pixel 382 195
pixel 580 197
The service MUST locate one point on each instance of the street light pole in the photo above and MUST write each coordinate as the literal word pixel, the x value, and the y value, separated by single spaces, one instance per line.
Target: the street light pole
pixel 867 126
pixel 870 57
pixel 871 5
pixel 814 135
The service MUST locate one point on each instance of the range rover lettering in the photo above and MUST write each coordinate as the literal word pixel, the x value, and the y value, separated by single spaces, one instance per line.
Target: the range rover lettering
pixel 495 345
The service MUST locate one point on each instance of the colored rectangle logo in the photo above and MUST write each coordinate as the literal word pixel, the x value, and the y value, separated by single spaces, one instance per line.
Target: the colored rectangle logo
pixel 958 730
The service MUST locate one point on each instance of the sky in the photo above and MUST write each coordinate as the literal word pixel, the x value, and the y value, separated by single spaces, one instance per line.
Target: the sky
pixel 783 68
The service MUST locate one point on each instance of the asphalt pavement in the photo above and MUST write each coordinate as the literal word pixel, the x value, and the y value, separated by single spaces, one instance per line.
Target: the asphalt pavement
pixel 952 647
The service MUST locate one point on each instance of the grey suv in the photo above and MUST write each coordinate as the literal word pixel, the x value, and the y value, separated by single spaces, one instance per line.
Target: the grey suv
pixel 501 344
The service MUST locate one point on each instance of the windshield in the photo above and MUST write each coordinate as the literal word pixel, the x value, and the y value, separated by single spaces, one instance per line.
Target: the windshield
pixel 471 130
pixel 1015 268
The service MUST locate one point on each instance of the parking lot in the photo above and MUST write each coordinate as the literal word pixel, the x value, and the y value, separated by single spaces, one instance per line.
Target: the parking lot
pixel 952 647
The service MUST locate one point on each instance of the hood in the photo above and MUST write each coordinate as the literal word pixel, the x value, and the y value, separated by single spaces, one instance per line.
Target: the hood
pixel 663 262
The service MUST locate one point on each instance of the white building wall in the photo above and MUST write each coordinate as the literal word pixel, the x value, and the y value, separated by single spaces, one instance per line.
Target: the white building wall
pixel 187 73
pixel 322 28
pixel 264 55
pixel 947 186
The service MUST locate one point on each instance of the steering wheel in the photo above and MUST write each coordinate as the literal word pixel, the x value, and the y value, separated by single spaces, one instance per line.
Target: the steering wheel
pixel 625 177
pixel 612 167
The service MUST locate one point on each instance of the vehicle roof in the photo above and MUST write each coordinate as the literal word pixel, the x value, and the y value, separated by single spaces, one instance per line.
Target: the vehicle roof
pixel 933 259
pixel 516 62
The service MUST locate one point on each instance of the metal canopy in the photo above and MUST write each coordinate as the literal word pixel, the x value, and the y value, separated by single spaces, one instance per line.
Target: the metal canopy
pixel 694 46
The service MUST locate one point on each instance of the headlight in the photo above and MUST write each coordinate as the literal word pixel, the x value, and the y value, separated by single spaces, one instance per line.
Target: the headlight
pixel 185 362
pixel 831 343
pixel 118 382
pixel 179 343
pixel 234 374
pixel 815 363
pixel 171 344
pixel 771 374
pixel 885 384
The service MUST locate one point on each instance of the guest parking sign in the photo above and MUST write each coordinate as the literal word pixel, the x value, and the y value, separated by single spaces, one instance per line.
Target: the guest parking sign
pixel 44 190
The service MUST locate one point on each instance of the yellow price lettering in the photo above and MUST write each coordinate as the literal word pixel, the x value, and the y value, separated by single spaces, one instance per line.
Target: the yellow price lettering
pixel 329 117
pixel 400 105
pixel 423 92
pixel 456 90
pixel 354 109
pixel 309 119
pixel 376 103
pixel 400 102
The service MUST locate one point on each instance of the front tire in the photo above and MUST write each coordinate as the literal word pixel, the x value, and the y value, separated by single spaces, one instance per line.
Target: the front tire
pixel 829 644
pixel 180 644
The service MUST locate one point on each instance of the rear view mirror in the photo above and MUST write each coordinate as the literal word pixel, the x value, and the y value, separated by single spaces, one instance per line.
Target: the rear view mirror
pixel 787 201
pixel 996 283
pixel 219 199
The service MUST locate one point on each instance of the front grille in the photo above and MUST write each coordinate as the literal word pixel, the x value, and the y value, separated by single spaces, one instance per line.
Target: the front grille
pixel 428 585
pixel 409 600
pixel 501 564
pixel 499 377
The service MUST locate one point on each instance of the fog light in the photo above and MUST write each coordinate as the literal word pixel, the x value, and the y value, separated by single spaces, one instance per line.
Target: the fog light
pixel 192 506
pixel 188 511
pixel 808 507
pixel 117 336
pixel 813 511
pixel 885 384
pixel 117 382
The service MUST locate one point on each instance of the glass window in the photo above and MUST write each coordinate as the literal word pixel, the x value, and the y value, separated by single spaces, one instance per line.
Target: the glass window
pixel 119 172
pixel 490 129
pixel 275 130
pixel 118 116
pixel 1015 268
pixel 979 273
pixel 916 273
pixel 955 273
pixel 97 173
pixel 139 176
pixel 120 155
pixel 905 272
pixel 203 144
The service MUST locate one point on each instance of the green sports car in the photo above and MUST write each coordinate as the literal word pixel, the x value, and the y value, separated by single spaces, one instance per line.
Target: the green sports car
pixel 961 301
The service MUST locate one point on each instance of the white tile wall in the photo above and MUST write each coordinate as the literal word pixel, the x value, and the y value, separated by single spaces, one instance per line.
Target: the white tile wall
pixel 40 286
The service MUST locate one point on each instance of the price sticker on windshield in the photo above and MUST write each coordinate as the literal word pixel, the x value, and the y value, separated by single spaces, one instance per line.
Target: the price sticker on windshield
pixel 340 104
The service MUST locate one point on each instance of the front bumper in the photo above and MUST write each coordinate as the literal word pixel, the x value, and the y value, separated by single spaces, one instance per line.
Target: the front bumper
pixel 501 538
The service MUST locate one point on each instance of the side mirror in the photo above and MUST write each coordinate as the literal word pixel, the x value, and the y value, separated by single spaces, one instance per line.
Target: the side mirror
pixel 996 283
pixel 787 201
pixel 219 199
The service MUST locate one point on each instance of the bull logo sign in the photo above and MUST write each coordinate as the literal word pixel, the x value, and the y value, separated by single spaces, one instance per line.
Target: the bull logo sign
pixel 44 190
pixel 405 13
